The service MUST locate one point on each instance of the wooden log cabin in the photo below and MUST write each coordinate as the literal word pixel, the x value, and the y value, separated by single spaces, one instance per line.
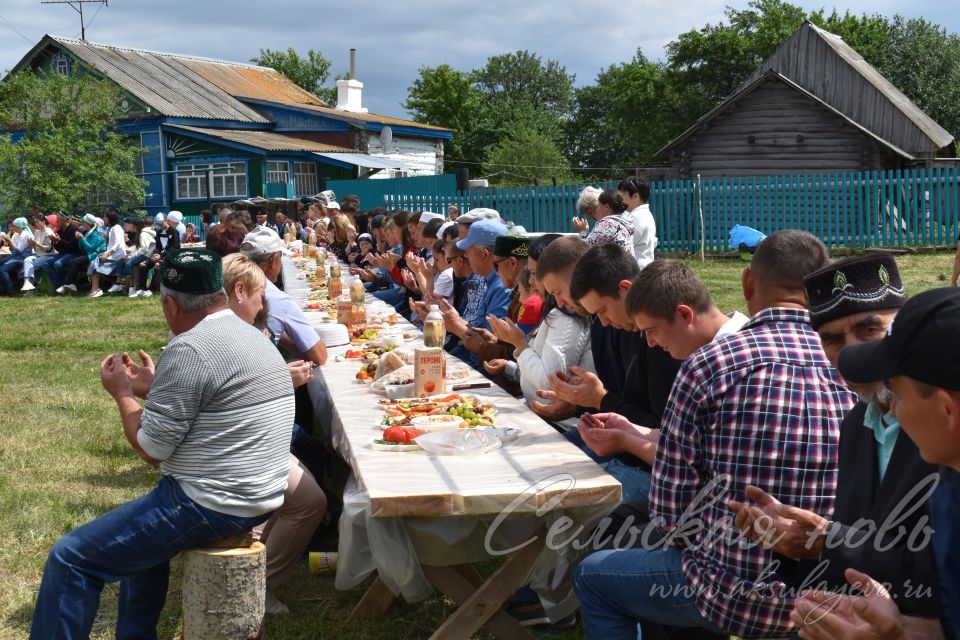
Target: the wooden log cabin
pixel 816 106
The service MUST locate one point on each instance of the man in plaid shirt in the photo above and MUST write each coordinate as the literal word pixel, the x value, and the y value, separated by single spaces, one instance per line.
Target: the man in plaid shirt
pixel 762 406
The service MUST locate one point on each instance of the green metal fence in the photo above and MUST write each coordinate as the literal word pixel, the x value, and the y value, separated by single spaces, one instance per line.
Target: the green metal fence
pixel 917 207
pixel 548 208
pixel 374 192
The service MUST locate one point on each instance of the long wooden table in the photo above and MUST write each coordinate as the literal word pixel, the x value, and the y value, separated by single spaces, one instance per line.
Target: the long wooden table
pixel 420 520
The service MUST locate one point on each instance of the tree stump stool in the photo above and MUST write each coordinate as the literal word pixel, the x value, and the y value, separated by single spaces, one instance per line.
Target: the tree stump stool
pixel 224 590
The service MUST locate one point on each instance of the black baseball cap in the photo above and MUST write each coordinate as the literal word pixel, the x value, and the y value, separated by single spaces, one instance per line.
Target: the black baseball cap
pixel 923 343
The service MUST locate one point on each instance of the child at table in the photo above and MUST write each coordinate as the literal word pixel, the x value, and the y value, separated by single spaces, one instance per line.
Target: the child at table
pixel 531 308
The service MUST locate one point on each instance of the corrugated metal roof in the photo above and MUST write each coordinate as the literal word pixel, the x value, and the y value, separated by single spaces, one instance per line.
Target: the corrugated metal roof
pixel 190 87
pixel 265 140
pixel 748 88
pixel 370 117
pixel 186 86
pixel 826 66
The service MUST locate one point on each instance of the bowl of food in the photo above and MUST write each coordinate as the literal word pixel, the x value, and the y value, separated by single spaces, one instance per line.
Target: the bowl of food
pixel 397 391
pixel 437 422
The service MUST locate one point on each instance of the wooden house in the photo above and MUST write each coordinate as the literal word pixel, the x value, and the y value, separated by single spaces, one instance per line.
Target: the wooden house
pixel 219 130
pixel 815 106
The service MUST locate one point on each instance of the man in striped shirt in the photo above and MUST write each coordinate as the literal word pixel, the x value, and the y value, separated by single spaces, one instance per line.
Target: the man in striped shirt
pixel 217 420
pixel 759 407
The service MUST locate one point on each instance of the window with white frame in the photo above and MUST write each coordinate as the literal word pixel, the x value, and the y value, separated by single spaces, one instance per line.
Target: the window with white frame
pixel 306 178
pixel 227 179
pixel 61 64
pixel 278 171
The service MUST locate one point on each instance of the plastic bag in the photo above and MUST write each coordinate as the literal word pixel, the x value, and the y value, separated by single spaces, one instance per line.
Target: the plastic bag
pixel 743 238
pixel 459 442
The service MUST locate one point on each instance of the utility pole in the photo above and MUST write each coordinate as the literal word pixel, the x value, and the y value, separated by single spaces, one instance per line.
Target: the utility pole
pixel 77 5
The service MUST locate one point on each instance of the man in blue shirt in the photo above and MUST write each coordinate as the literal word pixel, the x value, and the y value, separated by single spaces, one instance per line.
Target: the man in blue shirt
pixel 477 247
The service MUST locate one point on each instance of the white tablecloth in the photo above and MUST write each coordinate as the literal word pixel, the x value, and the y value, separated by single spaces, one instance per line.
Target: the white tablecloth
pixel 404 510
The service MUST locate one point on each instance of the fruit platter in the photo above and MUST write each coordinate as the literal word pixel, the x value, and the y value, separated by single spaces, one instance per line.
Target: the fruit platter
pixel 461 412
pixel 363 334
pixel 367 353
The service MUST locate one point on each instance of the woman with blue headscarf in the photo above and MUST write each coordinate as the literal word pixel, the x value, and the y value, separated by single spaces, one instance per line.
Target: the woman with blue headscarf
pixel 20 248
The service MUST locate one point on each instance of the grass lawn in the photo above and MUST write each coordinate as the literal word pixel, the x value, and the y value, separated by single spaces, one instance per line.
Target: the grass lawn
pixel 64 460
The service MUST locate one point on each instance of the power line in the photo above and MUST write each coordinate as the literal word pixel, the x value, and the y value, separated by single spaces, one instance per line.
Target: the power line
pixel 10 26
pixel 568 168
pixel 96 14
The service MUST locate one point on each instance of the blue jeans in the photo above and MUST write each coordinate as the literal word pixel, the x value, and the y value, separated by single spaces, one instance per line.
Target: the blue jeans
pixel 133 544
pixel 636 482
pixel 10 265
pixel 391 296
pixel 54 268
pixel 129 265
pixel 617 589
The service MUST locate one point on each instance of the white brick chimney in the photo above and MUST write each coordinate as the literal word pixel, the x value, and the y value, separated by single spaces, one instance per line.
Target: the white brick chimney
pixel 349 91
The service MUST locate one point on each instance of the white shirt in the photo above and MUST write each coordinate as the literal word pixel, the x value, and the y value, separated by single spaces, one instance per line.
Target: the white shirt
pixel 116 244
pixel 42 238
pixel 562 341
pixel 734 324
pixel 443 284
pixel 20 244
pixel 644 234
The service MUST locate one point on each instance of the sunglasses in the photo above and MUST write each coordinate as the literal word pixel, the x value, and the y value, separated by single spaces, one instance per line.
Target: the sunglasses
pixel 450 260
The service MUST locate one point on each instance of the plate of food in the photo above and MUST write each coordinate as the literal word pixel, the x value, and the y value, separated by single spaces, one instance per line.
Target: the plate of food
pixel 469 409
pixel 397 439
pixel 364 334
pixel 437 422
pixel 368 354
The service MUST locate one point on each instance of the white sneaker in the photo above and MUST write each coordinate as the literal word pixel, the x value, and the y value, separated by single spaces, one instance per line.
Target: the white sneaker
pixel 61 289
pixel 134 293
pixel 70 287
pixel 27 285
pixel 146 293
pixel 117 288
pixel 274 606
pixel 96 293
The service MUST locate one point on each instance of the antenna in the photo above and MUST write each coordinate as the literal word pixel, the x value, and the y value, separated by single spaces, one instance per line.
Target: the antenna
pixel 77 5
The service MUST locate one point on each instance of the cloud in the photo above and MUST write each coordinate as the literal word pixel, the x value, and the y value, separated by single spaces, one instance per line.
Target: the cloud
pixel 394 39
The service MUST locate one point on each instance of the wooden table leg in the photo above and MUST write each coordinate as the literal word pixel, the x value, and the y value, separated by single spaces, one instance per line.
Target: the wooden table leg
pixel 374 602
pixel 481 607
pixel 455 584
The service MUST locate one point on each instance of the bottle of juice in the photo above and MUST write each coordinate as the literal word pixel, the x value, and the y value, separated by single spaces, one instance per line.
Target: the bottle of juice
pixel 334 284
pixel 434 331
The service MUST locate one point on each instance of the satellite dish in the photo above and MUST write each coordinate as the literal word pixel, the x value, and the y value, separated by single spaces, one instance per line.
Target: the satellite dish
pixel 386 138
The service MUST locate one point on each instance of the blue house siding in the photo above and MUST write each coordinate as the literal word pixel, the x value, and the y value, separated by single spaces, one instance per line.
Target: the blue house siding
pixel 155 198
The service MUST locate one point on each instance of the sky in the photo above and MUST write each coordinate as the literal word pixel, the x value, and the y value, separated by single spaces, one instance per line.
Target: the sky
pixel 394 39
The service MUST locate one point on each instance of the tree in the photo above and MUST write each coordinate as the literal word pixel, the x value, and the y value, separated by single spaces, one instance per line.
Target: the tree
pixel 621 120
pixel 446 97
pixel 923 61
pixel 310 73
pixel 67 148
pixel 521 90
pixel 525 155
pixel 485 106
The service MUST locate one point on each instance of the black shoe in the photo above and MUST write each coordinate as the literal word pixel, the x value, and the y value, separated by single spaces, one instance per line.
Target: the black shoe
pixel 528 614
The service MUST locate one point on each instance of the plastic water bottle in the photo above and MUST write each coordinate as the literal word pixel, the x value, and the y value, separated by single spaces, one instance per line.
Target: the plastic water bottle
pixel 434 331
